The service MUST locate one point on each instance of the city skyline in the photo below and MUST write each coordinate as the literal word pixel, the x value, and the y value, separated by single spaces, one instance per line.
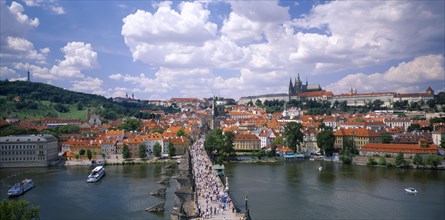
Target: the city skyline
pixel 160 50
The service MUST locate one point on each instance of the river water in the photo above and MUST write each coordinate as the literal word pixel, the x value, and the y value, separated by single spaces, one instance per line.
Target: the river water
pixel 298 190
pixel 283 190
pixel 123 193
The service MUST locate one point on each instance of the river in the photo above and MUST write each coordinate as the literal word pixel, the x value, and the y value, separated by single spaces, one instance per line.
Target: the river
pixel 123 193
pixel 298 190
pixel 283 190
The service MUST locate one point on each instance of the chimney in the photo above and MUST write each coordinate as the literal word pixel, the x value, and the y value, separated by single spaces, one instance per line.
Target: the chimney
pixel 423 143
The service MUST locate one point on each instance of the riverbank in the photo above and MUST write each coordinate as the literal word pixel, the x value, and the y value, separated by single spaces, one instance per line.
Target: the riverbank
pixel 116 162
pixel 357 160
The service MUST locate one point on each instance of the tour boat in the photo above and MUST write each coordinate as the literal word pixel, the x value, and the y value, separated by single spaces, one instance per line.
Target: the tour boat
pixel 21 187
pixel 95 175
pixel 411 190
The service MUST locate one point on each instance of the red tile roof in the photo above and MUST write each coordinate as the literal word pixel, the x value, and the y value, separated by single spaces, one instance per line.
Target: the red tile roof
pixel 400 148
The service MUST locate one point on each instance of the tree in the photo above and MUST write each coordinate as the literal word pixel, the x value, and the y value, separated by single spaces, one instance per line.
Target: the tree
pixel 418 160
pixel 171 150
pixel 142 153
pixel 258 103
pixel 82 152
pixel 386 138
pixel 432 160
pixel 413 127
pixel 180 132
pixel 346 159
pixel 157 148
pixel 220 145
pixel 227 151
pixel 293 135
pixel 89 154
pixel 18 209
pixel 68 129
pixel 250 103
pixel 214 140
pixel 325 141
pixel 343 106
pixel 61 108
pixel 371 162
pixel 382 161
pixel 125 152
pixel 400 160
pixel 76 156
pixel 131 124
pixel 278 141
pixel 348 146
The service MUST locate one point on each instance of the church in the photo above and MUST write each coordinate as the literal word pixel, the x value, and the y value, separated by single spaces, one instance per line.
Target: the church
pixel 296 89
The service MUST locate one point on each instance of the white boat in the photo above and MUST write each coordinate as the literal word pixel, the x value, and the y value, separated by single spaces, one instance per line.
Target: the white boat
pixel 21 187
pixel 95 175
pixel 320 168
pixel 411 190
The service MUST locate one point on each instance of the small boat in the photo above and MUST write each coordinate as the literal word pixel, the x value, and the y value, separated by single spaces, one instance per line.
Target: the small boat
pixel 96 174
pixel 411 190
pixel 21 187
pixel 311 159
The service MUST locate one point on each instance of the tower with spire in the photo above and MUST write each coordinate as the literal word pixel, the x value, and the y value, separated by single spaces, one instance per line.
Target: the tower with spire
pixel 298 87
pixel 29 76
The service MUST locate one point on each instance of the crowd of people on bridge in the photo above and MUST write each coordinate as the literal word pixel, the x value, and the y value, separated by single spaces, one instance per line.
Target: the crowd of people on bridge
pixel 211 198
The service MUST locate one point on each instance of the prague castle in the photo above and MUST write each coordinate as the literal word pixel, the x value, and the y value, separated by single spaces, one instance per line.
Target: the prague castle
pixel 306 91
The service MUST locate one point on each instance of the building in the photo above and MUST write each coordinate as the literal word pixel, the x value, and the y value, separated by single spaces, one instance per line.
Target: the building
pixel 150 140
pixel 408 150
pixel 397 122
pixel 361 99
pixel 296 89
pixel 28 150
pixel 428 94
pixel 360 137
pixel 438 136
pixel 246 142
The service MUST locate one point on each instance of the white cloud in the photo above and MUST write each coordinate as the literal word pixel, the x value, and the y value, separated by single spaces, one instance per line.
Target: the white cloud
pixel 50 5
pixel 17 10
pixel 6 72
pixel 78 56
pixel 35 71
pixel 258 39
pixel 166 34
pixel 422 69
pixel 354 34
pixel 57 9
pixel 239 28
pixel 261 11
pixel 22 49
pixel 89 84
pixel 404 77
pixel 16 43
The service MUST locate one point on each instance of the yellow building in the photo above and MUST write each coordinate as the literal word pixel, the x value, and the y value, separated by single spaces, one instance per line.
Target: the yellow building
pixel 360 137
pixel 246 142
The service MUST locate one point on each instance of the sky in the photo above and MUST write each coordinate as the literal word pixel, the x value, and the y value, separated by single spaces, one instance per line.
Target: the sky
pixel 159 50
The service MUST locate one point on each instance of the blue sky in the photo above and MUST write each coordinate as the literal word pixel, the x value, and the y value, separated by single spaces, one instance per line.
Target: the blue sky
pixel 161 49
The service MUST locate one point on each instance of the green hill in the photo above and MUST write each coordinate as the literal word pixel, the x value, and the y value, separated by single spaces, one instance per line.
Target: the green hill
pixel 23 99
